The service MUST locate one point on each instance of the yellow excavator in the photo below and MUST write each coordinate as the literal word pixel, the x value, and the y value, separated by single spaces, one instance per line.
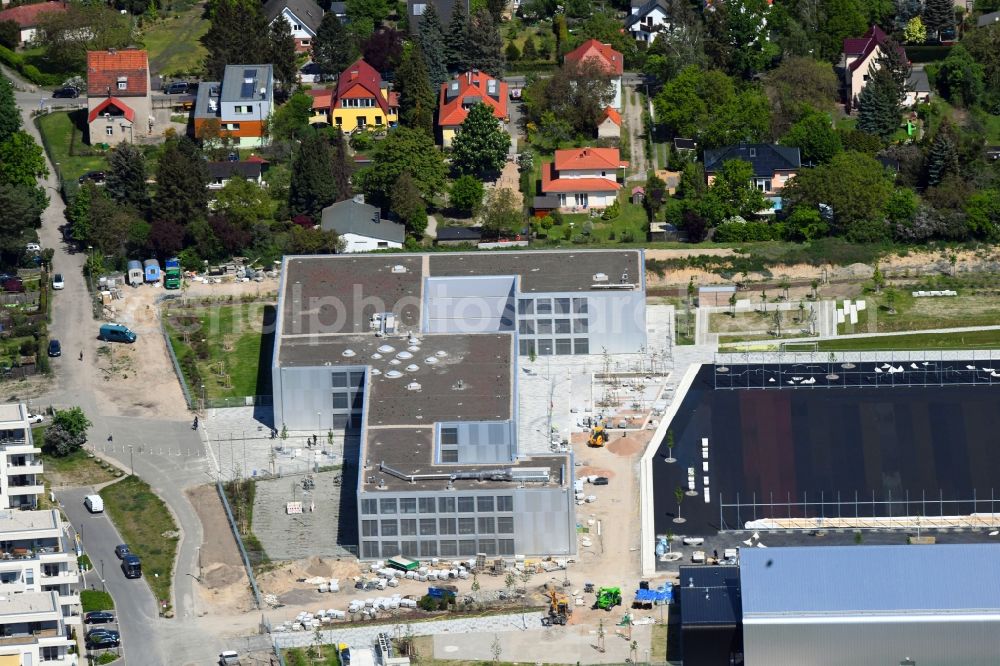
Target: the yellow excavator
pixel 559 608
pixel 598 435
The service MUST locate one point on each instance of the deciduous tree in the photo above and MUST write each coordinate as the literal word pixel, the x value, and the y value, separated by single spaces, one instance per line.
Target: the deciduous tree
pixel 242 202
pixel 374 10
pixel 21 160
pixel 815 137
pixel 960 78
pixel 408 205
pixel 797 84
pixel 502 214
pixel 735 193
pixel 384 49
pixel 403 149
pixel 10 115
pixel 22 207
pixel 481 145
pixel 67 433
pixel 291 120
pixel 853 185
pixel 67 36
pixel 10 34
pixel 576 93
pixel 466 194
pixel 915 31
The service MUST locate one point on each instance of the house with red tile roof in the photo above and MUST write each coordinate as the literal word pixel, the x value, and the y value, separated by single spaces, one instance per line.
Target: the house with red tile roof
pixel 362 100
pixel 464 91
pixel 27 17
pixel 610 126
pixel 858 55
pixel 119 107
pixel 610 60
pixel 582 178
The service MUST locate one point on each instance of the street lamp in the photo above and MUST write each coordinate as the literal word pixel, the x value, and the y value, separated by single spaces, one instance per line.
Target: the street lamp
pixel 131 460
pixel 90 272
pixel 202 397
pixel 103 588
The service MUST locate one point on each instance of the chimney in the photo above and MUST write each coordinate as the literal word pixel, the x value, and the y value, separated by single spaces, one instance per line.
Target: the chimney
pixel 354 74
pixel 468 78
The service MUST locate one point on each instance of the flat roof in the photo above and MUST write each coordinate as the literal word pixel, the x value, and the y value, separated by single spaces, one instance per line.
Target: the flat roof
pixel 28 602
pixel 410 451
pixel 24 521
pixel 710 595
pixel 11 412
pixel 820 581
pixel 548 271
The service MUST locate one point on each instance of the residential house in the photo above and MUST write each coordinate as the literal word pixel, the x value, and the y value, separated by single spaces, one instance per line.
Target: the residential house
pixel 339 9
pixel 27 17
pixel 859 54
pixel 610 60
pixel 685 147
pixel 416 8
pixel 772 166
pixel 988 19
pixel 458 236
pixel 20 460
pixel 918 88
pixel 361 226
pixel 118 96
pixel 363 100
pixel 220 173
pixel 322 101
pixel 241 103
pixel 464 91
pixel 610 126
pixel 583 178
pixel 303 16
pixel 648 18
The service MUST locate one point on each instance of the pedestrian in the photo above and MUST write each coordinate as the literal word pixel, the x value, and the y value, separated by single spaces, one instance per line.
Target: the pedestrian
pixel 110 438
pixel 81 355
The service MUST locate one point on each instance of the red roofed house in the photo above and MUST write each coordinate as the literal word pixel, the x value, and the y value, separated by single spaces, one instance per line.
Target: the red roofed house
pixel 322 101
pixel 610 126
pixel 583 178
pixel 363 100
pixel 611 60
pixel 118 95
pixel 27 16
pixel 462 93
pixel 859 54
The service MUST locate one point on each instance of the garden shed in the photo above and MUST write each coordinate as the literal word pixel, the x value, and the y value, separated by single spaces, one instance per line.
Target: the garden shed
pixel 135 273
pixel 152 270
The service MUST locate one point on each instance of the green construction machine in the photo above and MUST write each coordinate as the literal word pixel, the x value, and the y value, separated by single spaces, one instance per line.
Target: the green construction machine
pixel 608 598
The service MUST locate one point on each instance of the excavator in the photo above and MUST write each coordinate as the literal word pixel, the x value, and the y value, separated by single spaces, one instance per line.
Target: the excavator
pixel 559 608
pixel 598 435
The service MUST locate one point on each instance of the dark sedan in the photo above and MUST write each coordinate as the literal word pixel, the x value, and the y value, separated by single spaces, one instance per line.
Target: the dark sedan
pixel 103 638
pixel 66 93
pixel 99 617
pixel 55 349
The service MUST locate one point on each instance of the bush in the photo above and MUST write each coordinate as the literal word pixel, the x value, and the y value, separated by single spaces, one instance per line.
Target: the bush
pixel 467 194
pixel 745 232
pixel 612 211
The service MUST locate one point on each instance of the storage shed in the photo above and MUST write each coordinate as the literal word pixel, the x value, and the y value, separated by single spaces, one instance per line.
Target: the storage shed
pixel 152 270
pixel 135 274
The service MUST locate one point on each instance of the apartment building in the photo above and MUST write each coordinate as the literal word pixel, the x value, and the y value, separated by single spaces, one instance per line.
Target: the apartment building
pixel 20 465
pixel 34 631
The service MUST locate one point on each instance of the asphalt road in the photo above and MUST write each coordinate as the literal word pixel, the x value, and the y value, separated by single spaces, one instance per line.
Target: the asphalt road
pixel 156 444
pixel 135 606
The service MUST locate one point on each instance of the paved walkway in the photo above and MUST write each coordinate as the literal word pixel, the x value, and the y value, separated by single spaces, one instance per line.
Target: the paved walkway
pixel 826 320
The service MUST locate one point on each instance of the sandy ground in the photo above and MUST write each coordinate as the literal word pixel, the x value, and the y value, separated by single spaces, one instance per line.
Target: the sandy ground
pixel 224 581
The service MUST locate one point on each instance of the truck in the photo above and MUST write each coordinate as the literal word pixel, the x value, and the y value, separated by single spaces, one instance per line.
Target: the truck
pixel 172 274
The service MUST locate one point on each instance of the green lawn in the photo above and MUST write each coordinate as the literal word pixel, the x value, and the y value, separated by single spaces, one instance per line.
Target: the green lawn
pixel 58 131
pixel 148 528
pixel 970 308
pixel 325 655
pixel 629 226
pixel 223 348
pixel 173 43
pixel 96 600
pixel 917 342
pixel 77 469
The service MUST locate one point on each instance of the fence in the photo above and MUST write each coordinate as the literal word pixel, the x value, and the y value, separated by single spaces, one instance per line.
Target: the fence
pixel 175 363
pixel 239 542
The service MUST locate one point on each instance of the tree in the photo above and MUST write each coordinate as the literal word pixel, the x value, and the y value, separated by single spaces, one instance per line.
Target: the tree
pixel 530 51
pixel 166 237
pixel 746 35
pixel 313 185
pixel 383 50
pixel 855 186
pixel 838 20
pixel 939 15
pixel 430 38
pixel 512 53
pixel 374 10
pixel 416 97
pixel 942 158
pixel 68 35
pixel 126 179
pixel 576 95
pixel 466 194
pixel 480 147
pixel 238 34
pixel 878 278
pixel 805 224
pixel 22 161
pixel 78 212
pixel 22 207
pixel 408 205
pixel 815 137
pixel 679 496
pixel 291 120
pixel 982 212
pixel 777 318
pixel 502 215
pixel 280 52
pixel 915 31
pixel 798 85
pixel 960 78
pixel 110 224
pixel 181 179
pixel 403 149
pixel 67 433
pixel 457 45
pixel 242 202
pixel 332 49
pixel 734 190
pixel 10 34
pixel 10 115
pixel 485 45
pixel 879 103
pixel 984 45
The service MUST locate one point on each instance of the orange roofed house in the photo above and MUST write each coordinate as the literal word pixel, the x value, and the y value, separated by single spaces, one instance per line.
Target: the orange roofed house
pixel 581 178
pixel 464 91
pixel 118 102
pixel 611 62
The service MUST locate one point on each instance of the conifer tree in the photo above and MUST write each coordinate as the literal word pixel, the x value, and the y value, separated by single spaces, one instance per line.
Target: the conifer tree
pixel 430 36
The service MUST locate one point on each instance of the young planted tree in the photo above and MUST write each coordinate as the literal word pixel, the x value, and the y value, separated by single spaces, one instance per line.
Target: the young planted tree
pixel 679 496
pixel 732 306
pixel 763 300
pixel 878 279
pixel 670 447
pixel 815 288
pixel 778 318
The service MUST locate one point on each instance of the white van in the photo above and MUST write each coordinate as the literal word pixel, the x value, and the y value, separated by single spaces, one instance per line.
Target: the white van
pixel 94 503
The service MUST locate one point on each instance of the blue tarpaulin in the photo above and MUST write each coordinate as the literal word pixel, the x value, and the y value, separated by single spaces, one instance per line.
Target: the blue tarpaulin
pixel 662 595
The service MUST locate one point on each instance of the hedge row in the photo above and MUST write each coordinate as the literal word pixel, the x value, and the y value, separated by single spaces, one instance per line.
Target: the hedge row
pixel 28 71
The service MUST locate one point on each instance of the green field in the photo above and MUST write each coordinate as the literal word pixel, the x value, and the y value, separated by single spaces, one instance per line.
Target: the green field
pixel 148 528
pixel 96 600
pixel 173 43
pixel 972 307
pixel 917 341
pixel 61 129
pixel 222 348
pixel 77 469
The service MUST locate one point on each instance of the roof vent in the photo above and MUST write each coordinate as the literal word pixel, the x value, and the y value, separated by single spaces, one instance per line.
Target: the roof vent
pixel 387 349
pixel 348 353
pixel 404 355
pixel 399 268
pixel 413 386
pixel 430 360
pixel 600 277
pixel 625 277
pixel 413 367
pixel 375 371
pixel 459 385
pixel 376 356
pixel 441 353
pixel 395 361
pixel 394 374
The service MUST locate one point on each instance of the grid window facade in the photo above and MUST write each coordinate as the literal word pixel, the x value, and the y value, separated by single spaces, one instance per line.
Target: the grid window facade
pixel 446 505
pixel 505 503
pixel 387 505
pixel 559 323
pixel 428 527
pixel 447 525
pixel 408 527
pixel 505 525
pixel 390 528
pixel 466 525
pixel 408 505
pixel 426 505
pixel 466 504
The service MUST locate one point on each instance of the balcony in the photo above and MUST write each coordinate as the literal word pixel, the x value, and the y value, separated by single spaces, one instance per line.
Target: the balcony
pixel 72 599
pixel 26 468
pixel 18 447
pixel 28 638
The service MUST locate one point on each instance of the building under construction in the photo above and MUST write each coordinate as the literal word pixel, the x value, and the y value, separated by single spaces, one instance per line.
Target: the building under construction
pixel 416 357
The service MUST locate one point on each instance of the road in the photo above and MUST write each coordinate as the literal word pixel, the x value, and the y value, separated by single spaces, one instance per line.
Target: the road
pixel 156 442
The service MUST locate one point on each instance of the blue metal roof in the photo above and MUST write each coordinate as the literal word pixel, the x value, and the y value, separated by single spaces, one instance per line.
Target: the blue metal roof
pixel 864 580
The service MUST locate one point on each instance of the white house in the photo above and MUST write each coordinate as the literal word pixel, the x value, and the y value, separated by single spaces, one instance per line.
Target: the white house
pixel 219 173
pixel 611 61
pixel 20 460
pixel 304 17
pixel 648 17
pixel 583 178
pixel 361 226
pixel 610 126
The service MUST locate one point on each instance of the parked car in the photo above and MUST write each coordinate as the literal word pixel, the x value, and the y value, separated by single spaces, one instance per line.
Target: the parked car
pixel 99 617
pixel 55 349
pixel 35 418
pixel 601 481
pixel 178 88
pixel 33 247
pixel 103 638
pixel 94 503
pixel 57 281
pixel 115 333
pixel 229 658
pixel 67 92
pixel 131 566
pixel 93 176
pixel 121 550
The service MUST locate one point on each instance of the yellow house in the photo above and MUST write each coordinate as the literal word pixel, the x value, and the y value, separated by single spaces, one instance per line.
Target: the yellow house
pixel 362 100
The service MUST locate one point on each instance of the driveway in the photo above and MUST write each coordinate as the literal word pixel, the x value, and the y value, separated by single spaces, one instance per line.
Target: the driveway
pixel 156 442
